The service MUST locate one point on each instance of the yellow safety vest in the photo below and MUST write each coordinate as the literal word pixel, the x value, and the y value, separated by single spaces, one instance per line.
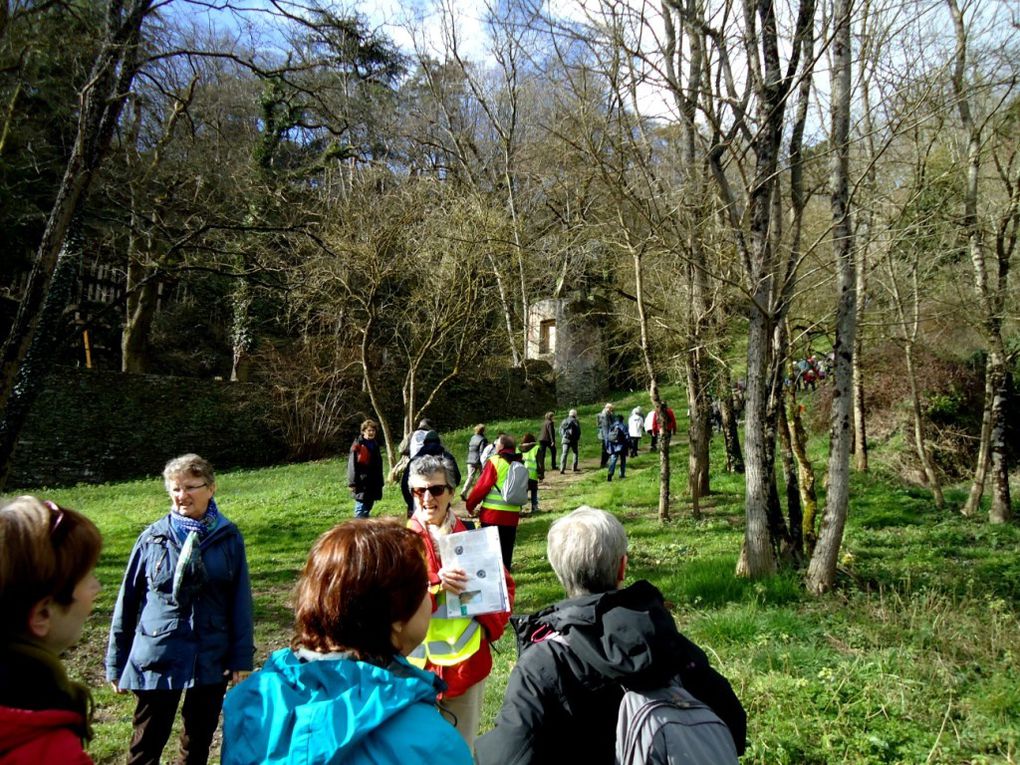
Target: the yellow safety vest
pixel 450 639
pixel 494 499
pixel 530 460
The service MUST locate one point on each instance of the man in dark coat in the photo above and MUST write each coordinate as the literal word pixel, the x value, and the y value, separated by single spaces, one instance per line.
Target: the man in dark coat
pixel 579 655
pixel 546 442
pixel 365 470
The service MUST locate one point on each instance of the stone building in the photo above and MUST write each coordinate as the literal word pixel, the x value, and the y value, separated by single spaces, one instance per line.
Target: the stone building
pixel 568 334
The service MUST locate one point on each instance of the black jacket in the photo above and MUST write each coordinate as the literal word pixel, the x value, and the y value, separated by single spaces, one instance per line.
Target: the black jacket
pixel 576 657
pixel 365 470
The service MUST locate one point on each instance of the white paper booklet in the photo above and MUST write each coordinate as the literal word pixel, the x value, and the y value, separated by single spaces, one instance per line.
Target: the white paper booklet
pixel 478 553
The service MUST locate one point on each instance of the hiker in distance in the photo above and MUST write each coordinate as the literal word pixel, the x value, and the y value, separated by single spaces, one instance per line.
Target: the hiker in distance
pixel 603 422
pixel 578 656
pixel 500 493
pixel 365 469
pixel 570 438
pixel 547 442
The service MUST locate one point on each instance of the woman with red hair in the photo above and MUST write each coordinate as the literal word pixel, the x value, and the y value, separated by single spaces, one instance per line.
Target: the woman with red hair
pixel 343 691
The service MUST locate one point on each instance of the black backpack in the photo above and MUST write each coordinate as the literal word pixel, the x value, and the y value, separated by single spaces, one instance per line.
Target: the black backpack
pixel 569 431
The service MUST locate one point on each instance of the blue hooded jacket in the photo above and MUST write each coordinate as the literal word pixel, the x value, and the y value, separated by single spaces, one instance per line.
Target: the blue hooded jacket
pixel 338 710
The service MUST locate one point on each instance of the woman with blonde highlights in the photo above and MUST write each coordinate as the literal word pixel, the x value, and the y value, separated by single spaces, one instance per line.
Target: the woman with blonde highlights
pixel 343 691
pixel 47 588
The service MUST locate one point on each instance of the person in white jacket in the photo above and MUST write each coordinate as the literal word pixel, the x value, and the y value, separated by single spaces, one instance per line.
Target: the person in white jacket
pixel 635 429
pixel 649 419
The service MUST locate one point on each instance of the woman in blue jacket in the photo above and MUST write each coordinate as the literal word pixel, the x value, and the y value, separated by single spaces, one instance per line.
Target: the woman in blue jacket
pixel 183 618
pixel 343 691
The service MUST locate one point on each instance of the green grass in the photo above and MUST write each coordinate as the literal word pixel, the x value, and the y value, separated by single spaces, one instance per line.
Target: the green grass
pixel 911 660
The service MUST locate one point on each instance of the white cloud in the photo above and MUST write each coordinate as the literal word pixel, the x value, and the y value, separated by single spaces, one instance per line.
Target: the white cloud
pixel 422 21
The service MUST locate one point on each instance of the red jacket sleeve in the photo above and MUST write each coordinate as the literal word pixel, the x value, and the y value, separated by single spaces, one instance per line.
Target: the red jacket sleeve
pixel 485 482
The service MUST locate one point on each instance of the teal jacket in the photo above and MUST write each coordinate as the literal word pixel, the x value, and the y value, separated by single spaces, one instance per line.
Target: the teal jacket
pixel 338 710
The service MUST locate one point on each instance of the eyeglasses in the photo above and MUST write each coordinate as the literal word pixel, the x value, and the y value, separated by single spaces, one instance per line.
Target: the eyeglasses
pixel 187 489
pixel 436 491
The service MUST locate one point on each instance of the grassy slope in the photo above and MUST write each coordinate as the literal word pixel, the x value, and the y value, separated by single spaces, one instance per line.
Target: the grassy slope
pixel 909 661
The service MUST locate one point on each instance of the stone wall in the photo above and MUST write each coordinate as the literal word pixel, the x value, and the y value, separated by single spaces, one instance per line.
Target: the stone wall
pixel 94 426
pixel 573 345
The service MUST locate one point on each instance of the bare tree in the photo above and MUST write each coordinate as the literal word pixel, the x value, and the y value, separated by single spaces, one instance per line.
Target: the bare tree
pixel 989 286
pixel 821 573
pixel 115 66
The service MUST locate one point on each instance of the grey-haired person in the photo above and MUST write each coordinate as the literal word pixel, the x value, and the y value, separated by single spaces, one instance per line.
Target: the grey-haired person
pixel 579 655
pixel 570 438
pixel 182 624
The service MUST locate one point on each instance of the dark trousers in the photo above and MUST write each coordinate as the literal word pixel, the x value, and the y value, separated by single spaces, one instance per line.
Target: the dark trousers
pixel 634 441
pixel 507 540
pixel 154 719
pixel 565 450
pixel 542 446
pixel 604 457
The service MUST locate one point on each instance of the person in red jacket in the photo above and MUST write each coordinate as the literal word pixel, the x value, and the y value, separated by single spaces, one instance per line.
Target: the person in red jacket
pixel 456 647
pixel 670 422
pixel 493 511
pixel 47 587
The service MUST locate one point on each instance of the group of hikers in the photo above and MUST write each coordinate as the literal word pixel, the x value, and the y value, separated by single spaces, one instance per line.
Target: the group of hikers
pixel 380 667
pixel 503 475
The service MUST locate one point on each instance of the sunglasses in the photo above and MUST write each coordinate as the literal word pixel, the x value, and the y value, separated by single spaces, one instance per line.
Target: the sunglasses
pixel 56 516
pixel 436 491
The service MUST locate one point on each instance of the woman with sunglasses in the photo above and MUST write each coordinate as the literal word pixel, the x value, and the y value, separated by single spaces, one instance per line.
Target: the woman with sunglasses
pixel 183 619
pixel 343 691
pixel 467 661
pixel 47 588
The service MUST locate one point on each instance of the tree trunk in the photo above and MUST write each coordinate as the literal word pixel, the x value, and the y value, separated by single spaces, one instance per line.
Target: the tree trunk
pixel 805 472
pixel 241 332
pixel 793 491
pixel 697 434
pixel 989 298
pixel 757 558
pixel 860 433
pixel 664 470
pixel 653 388
pixel 1001 508
pixel 373 396
pixel 139 315
pixel 730 426
pixel 977 487
pixel 779 532
pixel 920 446
pixel 822 570
pixel 508 316
pixel 43 348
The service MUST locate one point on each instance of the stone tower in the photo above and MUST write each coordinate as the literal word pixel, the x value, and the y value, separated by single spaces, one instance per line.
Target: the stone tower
pixel 567 333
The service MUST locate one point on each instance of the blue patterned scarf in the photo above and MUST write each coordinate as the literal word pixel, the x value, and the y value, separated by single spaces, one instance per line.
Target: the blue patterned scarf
pixel 182 525
pixel 190 576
